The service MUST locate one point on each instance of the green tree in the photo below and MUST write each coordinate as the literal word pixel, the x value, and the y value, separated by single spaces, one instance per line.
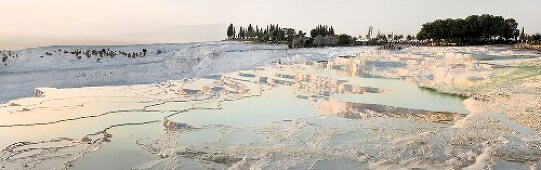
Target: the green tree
pixel 290 34
pixel 472 29
pixel 231 31
pixel 321 30
pixel 344 39
pixel 242 33
pixel 390 36
pixel 510 28
pixel 409 38
pixel 301 34
pixel 398 37
pixel 250 32
pixel 257 31
pixel 313 33
pixel 281 35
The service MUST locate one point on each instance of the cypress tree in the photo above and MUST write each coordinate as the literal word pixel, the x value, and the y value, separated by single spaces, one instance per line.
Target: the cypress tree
pixel 250 31
pixel 231 31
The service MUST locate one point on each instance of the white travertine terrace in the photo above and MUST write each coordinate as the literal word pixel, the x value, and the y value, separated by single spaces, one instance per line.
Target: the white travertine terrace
pixel 306 115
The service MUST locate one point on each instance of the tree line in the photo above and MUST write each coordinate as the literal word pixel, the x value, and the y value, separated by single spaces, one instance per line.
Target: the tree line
pixel 534 39
pixel 471 30
pixel 322 30
pixel 320 36
pixel 272 33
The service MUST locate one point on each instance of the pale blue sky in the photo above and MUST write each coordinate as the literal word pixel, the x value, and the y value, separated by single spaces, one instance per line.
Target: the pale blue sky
pixel 60 21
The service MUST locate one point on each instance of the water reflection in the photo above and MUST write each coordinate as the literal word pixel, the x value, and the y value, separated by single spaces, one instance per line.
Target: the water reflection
pixel 81 120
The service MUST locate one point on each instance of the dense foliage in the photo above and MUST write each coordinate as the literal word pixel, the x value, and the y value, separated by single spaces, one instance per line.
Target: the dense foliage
pixel 534 39
pixel 344 40
pixel 319 36
pixel 321 30
pixel 471 30
pixel 273 33
pixel 231 31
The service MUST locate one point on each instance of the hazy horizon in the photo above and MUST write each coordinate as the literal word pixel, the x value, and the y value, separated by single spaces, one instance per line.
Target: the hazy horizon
pixel 31 23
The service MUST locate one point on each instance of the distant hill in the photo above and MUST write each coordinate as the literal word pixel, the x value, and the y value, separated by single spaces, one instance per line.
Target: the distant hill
pixel 183 33
pixel 154 34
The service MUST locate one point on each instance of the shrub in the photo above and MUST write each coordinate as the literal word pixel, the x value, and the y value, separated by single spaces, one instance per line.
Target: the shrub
pixel 344 39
